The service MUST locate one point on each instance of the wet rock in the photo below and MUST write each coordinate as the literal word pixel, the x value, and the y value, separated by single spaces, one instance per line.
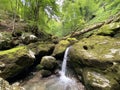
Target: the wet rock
pixel 61 47
pixel 98 81
pixel 39 67
pixel 14 61
pixel 102 55
pixel 4 85
pixel 48 63
pixel 45 73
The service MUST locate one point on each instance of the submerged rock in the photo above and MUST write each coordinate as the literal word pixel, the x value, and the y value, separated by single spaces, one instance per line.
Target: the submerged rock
pixel 102 55
pixel 14 61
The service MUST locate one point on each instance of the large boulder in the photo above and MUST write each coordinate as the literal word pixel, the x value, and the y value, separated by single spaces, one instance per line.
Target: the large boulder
pixel 96 81
pixel 13 61
pixel 48 62
pixel 4 85
pixel 102 55
pixel 41 49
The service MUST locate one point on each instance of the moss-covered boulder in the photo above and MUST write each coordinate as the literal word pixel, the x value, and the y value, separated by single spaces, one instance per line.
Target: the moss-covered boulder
pixel 13 61
pixel 4 85
pixel 41 48
pixel 61 47
pixel 45 73
pixel 98 81
pixel 48 63
pixel 111 29
pixel 102 55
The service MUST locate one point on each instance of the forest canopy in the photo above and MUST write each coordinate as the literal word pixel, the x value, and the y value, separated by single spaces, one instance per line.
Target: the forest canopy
pixel 59 17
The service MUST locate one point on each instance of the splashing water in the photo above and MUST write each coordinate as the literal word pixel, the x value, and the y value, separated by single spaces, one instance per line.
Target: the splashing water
pixel 57 83
pixel 63 71
pixel 68 83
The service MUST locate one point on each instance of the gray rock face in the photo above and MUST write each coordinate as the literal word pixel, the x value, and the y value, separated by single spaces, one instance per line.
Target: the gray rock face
pixel 97 60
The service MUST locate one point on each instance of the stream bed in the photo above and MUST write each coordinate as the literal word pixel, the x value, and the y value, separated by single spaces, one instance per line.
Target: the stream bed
pixel 36 82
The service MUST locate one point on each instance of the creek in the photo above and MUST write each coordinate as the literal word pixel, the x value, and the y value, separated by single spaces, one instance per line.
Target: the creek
pixel 62 82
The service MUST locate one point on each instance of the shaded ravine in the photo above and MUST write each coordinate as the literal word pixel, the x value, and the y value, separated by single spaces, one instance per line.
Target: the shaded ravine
pixel 54 82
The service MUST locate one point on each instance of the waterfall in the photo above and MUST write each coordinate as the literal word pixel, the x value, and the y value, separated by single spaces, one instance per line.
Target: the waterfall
pixel 57 83
pixel 63 70
pixel 63 77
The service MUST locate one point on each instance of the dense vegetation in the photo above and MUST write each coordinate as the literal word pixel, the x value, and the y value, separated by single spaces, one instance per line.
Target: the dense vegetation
pixel 58 18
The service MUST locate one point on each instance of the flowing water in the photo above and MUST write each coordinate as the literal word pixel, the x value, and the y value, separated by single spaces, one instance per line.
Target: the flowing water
pixel 62 82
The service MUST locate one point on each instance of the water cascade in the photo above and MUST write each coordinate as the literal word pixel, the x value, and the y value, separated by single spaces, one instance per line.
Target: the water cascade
pixel 57 83
pixel 63 70
pixel 64 82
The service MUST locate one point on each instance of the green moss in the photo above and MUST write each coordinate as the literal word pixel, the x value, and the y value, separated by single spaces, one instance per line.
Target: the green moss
pixel 72 40
pixel 41 47
pixel 11 53
pixel 48 62
pixel 96 51
pixel 45 73
pixel 39 67
pixel 13 50
pixel 108 29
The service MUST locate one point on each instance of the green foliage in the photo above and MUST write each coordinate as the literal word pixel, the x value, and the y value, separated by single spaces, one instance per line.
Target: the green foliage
pixel 46 15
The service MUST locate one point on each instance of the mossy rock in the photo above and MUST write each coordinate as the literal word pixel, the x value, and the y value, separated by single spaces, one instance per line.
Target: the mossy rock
pixel 15 60
pixel 41 48
pixel 39 67
pixel 97 51
pixel 61 47
pixel 96 81
pixel 49 63
pixel 109 29
pixel 45 73
pixel 101 54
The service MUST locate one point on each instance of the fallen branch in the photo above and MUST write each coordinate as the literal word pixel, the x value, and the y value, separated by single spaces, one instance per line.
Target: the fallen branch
pixel 90 28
